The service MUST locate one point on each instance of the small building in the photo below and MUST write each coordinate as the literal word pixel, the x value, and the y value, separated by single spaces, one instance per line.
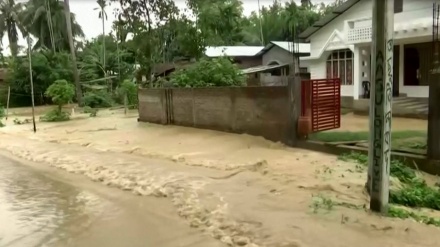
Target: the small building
pixel 341 47
pixel 276 58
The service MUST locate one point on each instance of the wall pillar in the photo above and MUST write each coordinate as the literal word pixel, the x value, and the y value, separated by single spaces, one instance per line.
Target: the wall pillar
pixel 364 69
pixel 357 80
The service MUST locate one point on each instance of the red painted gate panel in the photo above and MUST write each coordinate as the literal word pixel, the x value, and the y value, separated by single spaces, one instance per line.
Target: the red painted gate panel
pixel 321 101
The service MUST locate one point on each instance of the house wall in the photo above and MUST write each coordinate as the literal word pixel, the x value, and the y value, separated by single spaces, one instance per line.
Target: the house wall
pixel 261 111
pixel 248 62
pixel 277 54
pixel 333 36
pixel 280 56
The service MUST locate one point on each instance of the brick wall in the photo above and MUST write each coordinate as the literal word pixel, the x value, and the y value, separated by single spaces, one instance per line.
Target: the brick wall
pixel 261 111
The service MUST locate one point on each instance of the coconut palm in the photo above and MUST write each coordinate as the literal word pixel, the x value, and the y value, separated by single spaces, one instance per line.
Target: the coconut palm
pixel 103 16
pixel 72 51
pixel 10 23
pixel 45 19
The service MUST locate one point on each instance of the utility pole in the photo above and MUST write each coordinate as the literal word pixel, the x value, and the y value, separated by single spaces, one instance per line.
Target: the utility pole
pixel 32 81
pixel 434 90
pixel 261 24
pixel 381 105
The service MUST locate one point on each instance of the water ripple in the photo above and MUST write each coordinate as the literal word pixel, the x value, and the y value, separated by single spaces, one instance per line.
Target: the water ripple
pixel 38 211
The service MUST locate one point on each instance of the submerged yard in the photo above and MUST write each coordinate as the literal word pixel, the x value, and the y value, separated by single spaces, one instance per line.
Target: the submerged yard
pixel 407 134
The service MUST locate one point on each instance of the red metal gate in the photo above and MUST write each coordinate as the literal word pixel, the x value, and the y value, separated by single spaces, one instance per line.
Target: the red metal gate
pixel 321 102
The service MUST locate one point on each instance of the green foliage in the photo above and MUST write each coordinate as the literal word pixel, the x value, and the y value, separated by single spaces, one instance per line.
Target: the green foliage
pixel 61 92
pixel 401 213
pixel 92 111
pixel 415 191
pixel 45 20
pixel 47 67
pixel 217 72
pixel 99 99
pixel 55 115
pixel 116 61
pixel 130 89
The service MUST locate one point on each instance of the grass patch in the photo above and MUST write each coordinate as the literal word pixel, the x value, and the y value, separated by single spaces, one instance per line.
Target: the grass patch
pixel 343 136
pixel 321 202
pixel 414 192
pixel 397 212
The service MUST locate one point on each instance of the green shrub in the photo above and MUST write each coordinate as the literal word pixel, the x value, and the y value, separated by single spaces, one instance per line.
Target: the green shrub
pixel 55 115
pixel 92 111
pixel 61 92
pixel 97 99
pixel 130 89
pixel 415 192
pixel 217 72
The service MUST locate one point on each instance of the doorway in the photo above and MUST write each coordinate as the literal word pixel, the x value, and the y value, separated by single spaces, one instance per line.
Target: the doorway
pixel 411 67
pixel 396 61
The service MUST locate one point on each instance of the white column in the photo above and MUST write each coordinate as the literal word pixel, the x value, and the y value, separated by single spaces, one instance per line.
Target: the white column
pixel 357 72
pixel 401 67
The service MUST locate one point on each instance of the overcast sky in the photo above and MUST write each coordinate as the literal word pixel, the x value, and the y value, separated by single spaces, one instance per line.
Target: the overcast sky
pixel 91 24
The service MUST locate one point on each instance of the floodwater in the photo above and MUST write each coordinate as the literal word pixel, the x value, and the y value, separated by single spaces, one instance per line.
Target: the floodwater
pixel 41 210
pixel 241 190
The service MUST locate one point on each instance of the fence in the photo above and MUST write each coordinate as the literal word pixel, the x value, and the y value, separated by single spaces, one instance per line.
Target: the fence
pixel 261 111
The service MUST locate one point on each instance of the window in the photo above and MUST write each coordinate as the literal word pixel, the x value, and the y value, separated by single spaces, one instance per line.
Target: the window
pixel 340 65
pixel 398 6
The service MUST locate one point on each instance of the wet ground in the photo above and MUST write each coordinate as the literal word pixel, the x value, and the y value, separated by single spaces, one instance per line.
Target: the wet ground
pixel 39 208
pixel 240 189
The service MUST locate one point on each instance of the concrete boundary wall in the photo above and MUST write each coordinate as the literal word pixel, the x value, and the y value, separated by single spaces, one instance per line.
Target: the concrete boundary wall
pixel 260 111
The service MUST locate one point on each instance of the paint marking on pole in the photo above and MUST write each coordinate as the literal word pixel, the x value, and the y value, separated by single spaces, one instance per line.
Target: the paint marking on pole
pixel 380 119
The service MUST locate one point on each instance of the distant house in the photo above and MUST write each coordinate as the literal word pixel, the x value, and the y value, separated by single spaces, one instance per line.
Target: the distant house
pixel 276 57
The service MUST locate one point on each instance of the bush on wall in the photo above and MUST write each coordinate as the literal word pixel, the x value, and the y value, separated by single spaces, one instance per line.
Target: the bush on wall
pixel 217 72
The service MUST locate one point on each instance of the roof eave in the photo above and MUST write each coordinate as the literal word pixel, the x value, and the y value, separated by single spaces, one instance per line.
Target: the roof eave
pixel 337 12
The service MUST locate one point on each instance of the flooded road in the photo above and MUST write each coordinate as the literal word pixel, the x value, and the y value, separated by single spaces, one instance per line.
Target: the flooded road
pixel 38 208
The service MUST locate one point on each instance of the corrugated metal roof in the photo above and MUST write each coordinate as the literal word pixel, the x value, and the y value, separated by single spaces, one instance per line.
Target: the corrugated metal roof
pixel 328 18
pixel 262 68
pixel 232 51
pixel 302 48
pixel 288 46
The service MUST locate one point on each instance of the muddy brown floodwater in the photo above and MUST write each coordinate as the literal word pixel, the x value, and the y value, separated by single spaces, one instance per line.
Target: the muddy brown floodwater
pixel 41 210
pixel 241 190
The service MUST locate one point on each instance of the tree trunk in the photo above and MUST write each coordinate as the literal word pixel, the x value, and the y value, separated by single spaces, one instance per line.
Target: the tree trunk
pixel 13 44
pixel 103 40
pixel 103 46
pixel 72 52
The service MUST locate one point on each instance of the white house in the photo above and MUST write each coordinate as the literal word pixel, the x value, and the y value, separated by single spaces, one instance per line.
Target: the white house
pixel 340 46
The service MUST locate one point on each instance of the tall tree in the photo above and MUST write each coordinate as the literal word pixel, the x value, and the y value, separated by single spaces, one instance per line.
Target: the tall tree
pixel 72 52
pixel 45 20
pixel 219 21
pixel 103 16
pixel 10 23
pixel 144 18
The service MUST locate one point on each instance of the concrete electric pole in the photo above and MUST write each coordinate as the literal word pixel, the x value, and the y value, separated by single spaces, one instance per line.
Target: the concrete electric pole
pixel 381 104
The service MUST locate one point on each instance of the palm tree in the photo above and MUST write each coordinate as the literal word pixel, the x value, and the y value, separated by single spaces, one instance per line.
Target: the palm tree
pixel 10 23
pixel 72 51
pixel 103 16
pixel 45 19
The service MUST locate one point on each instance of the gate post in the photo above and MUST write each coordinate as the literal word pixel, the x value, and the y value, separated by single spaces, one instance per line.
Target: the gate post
pixel 294 96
